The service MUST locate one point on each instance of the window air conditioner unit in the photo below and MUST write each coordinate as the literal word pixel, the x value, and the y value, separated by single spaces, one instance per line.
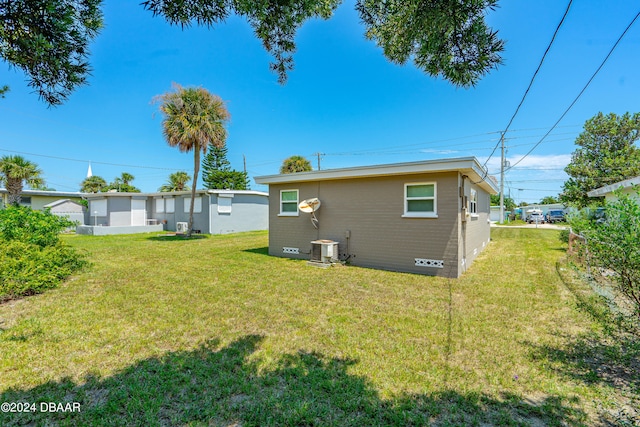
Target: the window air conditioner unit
pixel 324 251
pixel 182 227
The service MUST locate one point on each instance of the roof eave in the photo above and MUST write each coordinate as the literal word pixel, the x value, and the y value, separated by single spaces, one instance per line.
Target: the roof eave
pixel 465 165
pixel 603 191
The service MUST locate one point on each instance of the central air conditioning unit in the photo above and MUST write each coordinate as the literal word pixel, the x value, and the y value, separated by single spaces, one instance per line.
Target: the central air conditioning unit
pixel 182 227
pixel 324 251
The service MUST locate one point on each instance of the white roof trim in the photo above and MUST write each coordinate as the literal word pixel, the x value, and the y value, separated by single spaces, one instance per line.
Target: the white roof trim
pixel 232 192
pixel 47 193
pixel 466 165
pixel 602 191
pixel 173 193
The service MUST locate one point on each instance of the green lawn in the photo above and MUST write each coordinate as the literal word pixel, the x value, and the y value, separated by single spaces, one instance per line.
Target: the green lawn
pixel 213 331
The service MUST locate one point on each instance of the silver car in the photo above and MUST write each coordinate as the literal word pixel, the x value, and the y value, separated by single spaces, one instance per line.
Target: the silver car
pixel 535 217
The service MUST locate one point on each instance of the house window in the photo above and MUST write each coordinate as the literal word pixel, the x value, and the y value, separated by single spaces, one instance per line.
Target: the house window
pixel 289 202
pixel 224 204
pixel 473 202
pixel 170 205
pixel 25 201
pixel 420 200
pixel 197 204
pixel 159 205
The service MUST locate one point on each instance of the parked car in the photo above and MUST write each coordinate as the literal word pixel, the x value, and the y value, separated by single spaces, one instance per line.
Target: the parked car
pixel 555 215
pixel 535 217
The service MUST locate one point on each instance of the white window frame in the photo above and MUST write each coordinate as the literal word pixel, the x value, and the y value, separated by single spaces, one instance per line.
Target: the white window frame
pixel 197 204
pixel 282 213
pixel 473 202
pixel 408 214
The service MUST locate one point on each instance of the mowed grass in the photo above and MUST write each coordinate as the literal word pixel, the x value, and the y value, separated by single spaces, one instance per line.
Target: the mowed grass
pixel 213 331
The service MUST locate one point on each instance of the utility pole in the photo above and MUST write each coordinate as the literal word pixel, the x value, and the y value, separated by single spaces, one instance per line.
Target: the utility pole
pixel 244 163
pixel 502 161
pixel 318 154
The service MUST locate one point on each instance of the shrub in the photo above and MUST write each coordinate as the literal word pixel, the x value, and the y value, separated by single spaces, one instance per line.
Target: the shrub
pixel 27 269
pixel 614 244
pixel 32 258
pixel 564 235
pixel 26 225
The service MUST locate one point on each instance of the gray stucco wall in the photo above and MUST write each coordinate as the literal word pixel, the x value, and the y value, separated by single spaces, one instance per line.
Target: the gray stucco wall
pixel 105 231
pixel 200 219
pixel 249 212
pixel 119 210
pixel 169 217
pixel 371 211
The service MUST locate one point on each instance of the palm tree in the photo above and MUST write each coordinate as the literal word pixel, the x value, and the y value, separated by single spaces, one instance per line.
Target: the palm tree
pixel 177 182
pixel 93 184
pixel 194 119
pixel 123 183
pixel 126 178
pixel 15 172
pixel 295 164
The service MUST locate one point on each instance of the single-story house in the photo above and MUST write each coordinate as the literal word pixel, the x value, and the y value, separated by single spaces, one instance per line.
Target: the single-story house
pixel 67 208
pixel 38 199
pixel 215 212
pixel 629 186
pixel 429 217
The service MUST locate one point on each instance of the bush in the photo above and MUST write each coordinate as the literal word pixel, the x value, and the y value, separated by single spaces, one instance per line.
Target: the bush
pixel 564 236
pixel 32 258
pixel 27 269
pixel 23 224
pixel 614 244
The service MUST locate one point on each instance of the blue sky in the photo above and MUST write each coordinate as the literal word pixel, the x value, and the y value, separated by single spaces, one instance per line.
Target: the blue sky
pixel 343 99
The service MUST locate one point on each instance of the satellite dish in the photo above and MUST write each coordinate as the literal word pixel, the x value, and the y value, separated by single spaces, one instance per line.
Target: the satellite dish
pixel 310 206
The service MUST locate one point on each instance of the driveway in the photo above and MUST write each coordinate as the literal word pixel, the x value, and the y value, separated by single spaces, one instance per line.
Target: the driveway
pixel 546 226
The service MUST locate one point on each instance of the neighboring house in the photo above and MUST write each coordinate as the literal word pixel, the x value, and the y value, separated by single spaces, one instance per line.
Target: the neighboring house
pixel 67 208
pixel 629 186
pixel 215 211
pixel 494 215
pixel 38 199
pixel 429 217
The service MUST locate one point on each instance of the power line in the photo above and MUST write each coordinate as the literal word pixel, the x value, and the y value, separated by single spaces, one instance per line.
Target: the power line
pixel 582 91
pixel 526 92
pixel 85 161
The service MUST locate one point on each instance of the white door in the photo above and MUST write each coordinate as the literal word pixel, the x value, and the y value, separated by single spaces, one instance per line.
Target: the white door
pixel 138 212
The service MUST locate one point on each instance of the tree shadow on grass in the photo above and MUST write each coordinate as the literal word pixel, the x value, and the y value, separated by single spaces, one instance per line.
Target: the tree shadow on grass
pixel 259 251
pixel 177 237
pixel 212 386
pixel 594 358
pixel 609 356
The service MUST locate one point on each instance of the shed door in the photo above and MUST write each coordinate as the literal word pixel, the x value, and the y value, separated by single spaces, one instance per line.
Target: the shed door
pixel 138 212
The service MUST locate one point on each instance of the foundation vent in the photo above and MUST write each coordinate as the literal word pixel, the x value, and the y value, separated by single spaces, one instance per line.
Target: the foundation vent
pixel 423 262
